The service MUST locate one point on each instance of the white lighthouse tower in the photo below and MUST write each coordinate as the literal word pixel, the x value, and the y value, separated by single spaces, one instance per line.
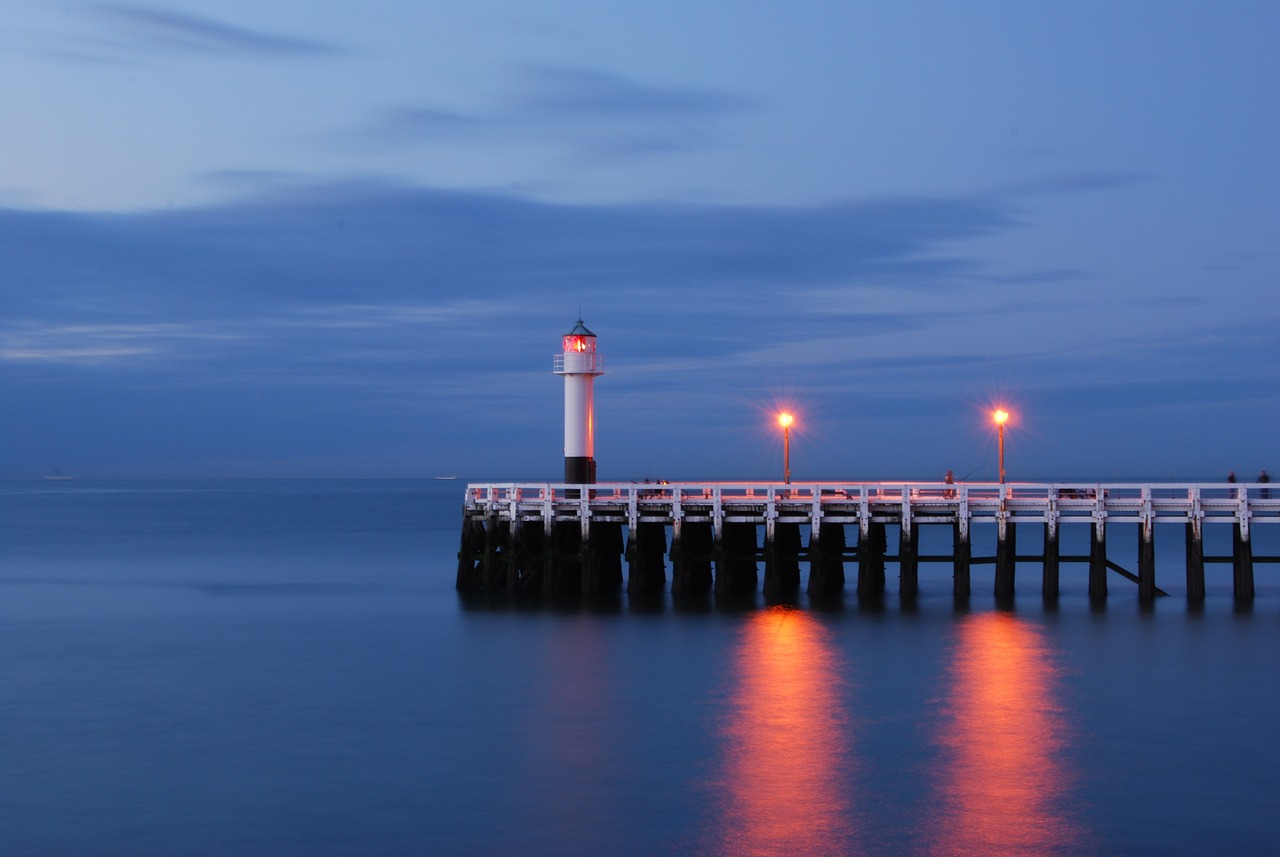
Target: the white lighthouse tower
pixel 579 364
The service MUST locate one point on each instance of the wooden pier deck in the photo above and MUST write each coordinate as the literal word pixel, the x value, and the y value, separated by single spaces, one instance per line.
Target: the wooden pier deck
pixel 552 537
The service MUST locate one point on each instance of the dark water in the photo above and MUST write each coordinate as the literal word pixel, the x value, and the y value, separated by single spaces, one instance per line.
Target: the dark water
pixel 284 668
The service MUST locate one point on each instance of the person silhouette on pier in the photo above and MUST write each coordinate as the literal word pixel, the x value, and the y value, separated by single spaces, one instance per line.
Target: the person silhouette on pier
pixel 1231 480
pixel 1263 479
pixel 950 479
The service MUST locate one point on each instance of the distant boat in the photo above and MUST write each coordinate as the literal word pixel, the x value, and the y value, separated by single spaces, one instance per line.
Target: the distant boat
pixel 58 477
pixel 446 477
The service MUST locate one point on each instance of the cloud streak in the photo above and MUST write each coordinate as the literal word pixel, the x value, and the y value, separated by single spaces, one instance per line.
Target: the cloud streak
pixel 578 93
pixel 345 244
pixel 598 113
pixel 149 29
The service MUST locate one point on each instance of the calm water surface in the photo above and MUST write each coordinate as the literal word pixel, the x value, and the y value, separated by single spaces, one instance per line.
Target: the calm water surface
pixel 284 668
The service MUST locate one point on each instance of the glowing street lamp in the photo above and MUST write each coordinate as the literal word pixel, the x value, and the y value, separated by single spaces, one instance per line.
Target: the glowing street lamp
pixel 1001 417
pixel 785 420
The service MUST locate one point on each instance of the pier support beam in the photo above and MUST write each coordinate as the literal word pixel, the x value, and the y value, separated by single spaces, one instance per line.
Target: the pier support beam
pixel 1242 561
pixel 1195 560
pixel 646 563
pixel 497 554
pixel 691 550
pixel 1049 578
pixel 1006 558
pixel 782 546
pixel 530 545
pixel 871 550
pixel 601 557
pixel 962 556
pixel 908 559
pixel 1147 560
pixel 562 574
pixel 1098 562
pixel 826 560
pixel 735 560
pixel 471 556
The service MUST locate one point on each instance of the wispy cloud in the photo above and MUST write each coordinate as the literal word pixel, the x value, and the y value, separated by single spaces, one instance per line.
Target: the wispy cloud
pixel 417 124
pixel 141 30
pixel 578 93
pixel 1088 182
pixel 595 113
pixel 340 244
pixel 33 341
pixel 383 280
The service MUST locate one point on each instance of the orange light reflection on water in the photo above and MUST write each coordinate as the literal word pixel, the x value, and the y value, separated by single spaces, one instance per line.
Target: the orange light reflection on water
pixel 786 779
pixel 1004 787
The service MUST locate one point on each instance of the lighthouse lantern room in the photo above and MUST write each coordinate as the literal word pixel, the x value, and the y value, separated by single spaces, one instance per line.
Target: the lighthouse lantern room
pixel 579 364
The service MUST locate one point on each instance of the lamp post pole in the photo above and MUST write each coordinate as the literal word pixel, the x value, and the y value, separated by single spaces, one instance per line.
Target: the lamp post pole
pixel 785 420
pixel 1001 417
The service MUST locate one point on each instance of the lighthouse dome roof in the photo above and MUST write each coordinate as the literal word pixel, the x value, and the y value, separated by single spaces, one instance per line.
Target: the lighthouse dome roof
pixel 580 329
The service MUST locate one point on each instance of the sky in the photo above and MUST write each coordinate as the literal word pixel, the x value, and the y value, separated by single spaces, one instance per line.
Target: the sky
pixel 340 239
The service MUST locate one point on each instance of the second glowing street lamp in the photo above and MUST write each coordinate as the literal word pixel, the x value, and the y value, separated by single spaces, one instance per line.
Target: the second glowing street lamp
pixel 785 420
pixel 1001 417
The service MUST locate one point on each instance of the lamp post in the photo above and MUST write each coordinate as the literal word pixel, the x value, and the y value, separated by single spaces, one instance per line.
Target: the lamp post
pixel 1001 417
pixel 785 420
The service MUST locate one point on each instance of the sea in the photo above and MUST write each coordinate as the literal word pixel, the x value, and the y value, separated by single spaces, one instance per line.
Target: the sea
pixel 285 668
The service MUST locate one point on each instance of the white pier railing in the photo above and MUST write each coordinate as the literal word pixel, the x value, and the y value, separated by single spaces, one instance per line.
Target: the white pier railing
pixel 1085 502
pixel 558 537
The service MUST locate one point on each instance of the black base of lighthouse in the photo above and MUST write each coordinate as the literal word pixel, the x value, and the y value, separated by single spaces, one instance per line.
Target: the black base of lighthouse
pixel 579 470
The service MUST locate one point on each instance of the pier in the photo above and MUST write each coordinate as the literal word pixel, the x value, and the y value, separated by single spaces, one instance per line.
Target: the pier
pixel 714 537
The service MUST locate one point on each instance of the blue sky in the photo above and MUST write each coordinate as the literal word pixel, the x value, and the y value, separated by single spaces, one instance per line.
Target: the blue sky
pixel 341 239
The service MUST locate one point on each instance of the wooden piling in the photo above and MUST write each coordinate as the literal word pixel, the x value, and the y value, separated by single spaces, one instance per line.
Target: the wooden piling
pixel 736 571
pixel 1147 560
pixel 646 564
pixel 562 574
pixel 1195 560
pixel 1006 557
pixel 600 558
pixel 1242 561
pixel 530 544
pixel 1052 555
pixel 908 559
pixel 826 559
pixel 870 553
pixel 962 557
pixel 471 556
pixel 782 549
pixel 691 556
pixel 1098 561
pixel 497 547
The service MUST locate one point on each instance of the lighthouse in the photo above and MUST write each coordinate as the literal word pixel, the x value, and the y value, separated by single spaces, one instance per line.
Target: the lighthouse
pixel 579 363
